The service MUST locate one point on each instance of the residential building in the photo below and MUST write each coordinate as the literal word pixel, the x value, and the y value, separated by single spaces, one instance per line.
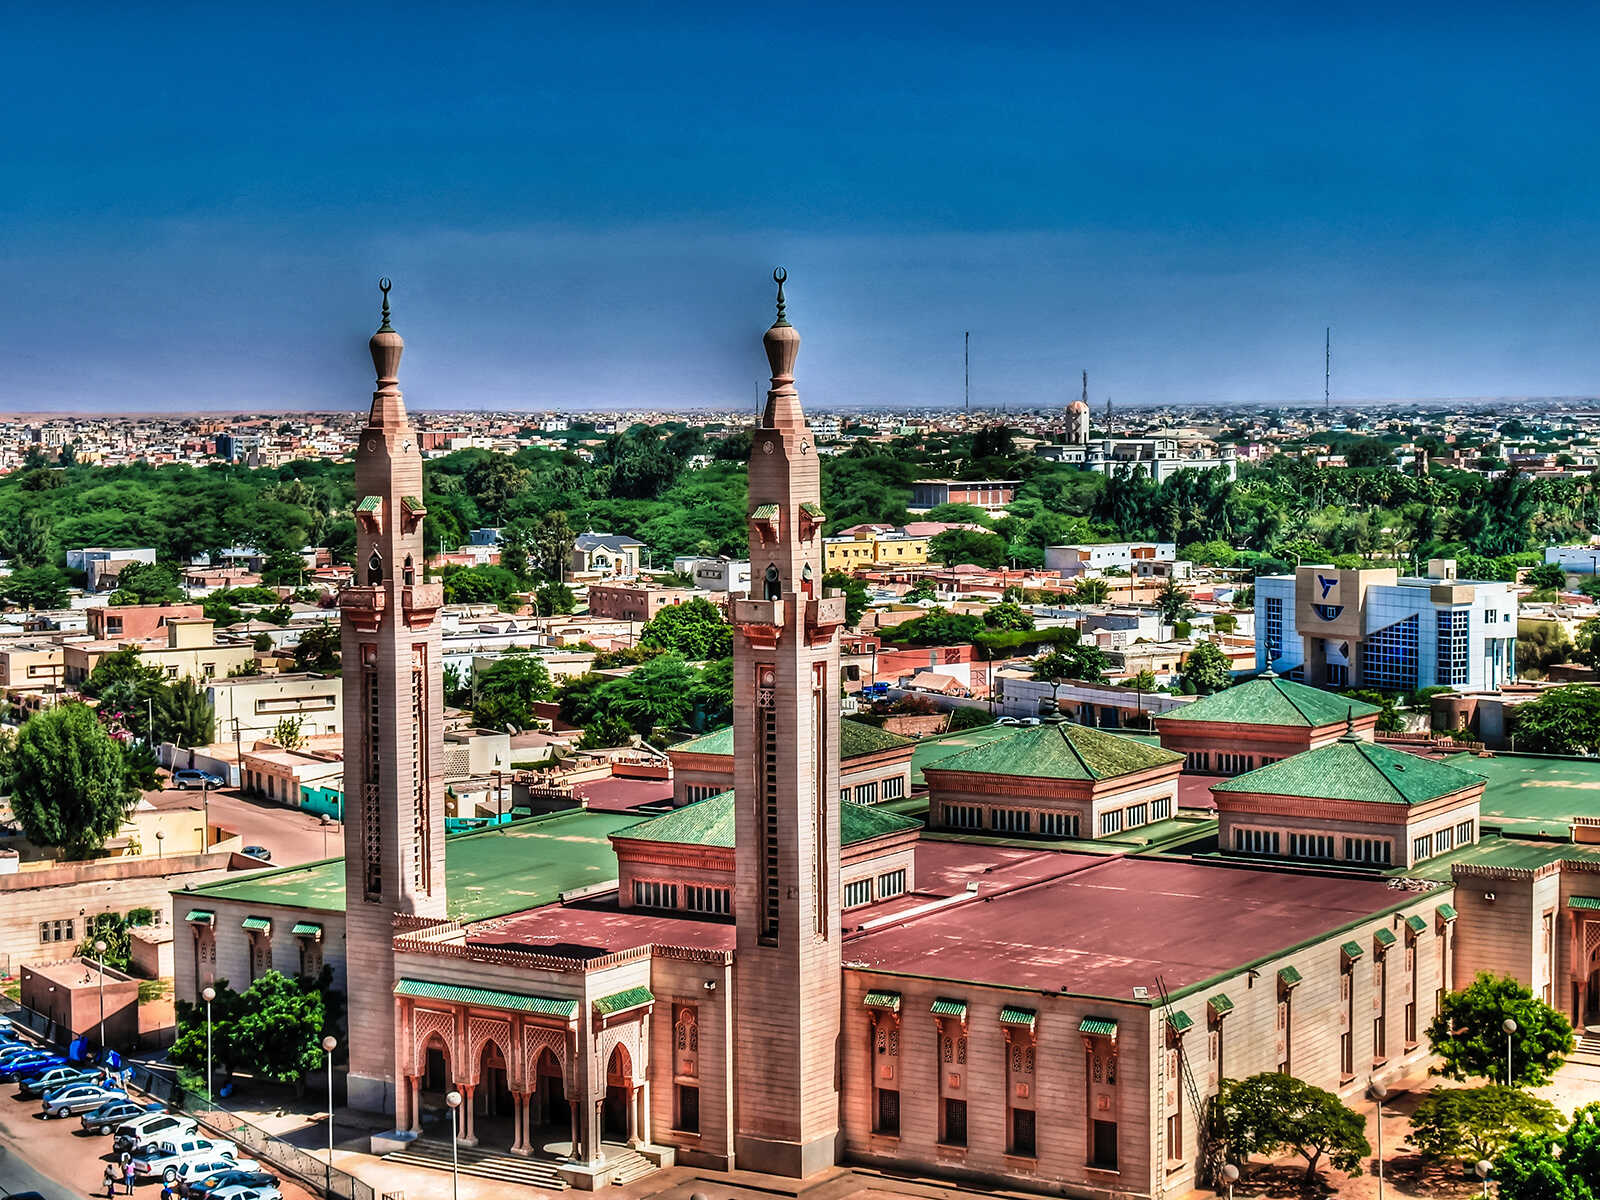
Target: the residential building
pixel 1072 561
pixel 634 602
pixel 607 554
pixel 250 706
pixel 991 495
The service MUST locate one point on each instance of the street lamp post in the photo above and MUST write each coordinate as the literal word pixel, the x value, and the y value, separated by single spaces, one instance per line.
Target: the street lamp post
pixel 1483 1167
pixel 100 966
pixel 1510 1027
pixel 328 1043
pixel 205 808
pixel 326 822
pixel 453 1099
pixel 208 996
pixel 161 838
pixel 1230 1176
pixel 1377 1091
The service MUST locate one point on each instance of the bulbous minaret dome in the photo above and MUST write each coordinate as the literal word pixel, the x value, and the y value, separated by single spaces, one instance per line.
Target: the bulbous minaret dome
pixel 386 347
pixel 782 344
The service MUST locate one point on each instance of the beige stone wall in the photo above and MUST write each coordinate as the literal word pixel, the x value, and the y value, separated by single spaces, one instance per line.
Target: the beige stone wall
pixel 234 946
pixel 708 989
pixel 1497 935
pixel 902 859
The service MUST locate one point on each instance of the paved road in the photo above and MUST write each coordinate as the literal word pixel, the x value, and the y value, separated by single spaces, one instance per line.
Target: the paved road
pixel 292 836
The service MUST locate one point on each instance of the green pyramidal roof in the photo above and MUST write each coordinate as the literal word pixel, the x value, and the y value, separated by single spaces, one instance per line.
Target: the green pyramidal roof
pixel 855 739
pixel 1354 770
pixel 1059 750
pixel 1268 700
pixel 710 822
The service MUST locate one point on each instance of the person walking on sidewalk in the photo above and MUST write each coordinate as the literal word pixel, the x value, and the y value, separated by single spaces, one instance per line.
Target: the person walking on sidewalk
pixel 127 1169
pixel 112 1175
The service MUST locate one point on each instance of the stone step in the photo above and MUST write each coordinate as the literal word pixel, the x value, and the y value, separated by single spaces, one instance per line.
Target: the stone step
pixel 482 1164
pixel 625 1167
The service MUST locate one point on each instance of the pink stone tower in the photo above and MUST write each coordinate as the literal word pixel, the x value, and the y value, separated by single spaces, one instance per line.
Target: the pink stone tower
pixel 393 735
pixel 786 756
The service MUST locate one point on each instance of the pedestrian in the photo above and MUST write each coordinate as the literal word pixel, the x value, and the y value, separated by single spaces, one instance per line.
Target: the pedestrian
pixel 127 1167
pixel 166 1190
pixel 112 1175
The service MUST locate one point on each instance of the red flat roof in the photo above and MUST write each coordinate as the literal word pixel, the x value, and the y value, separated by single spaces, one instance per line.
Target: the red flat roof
pixel 613 794
pixel 1194 791
pixel 590 930
pixel 1106 928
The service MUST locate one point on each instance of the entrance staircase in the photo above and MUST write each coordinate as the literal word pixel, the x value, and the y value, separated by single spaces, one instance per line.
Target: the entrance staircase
pixel 1587 1048
pixel 483 1164
pixel 623 1166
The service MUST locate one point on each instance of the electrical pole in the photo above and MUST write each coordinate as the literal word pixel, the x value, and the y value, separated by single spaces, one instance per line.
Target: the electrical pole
pixel 1327 369
pixel 966 368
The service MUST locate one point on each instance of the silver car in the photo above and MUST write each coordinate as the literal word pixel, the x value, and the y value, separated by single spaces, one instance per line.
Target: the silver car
pixel 79 1098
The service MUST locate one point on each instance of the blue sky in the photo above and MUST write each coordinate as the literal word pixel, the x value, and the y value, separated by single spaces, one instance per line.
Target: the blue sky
pixel 581 204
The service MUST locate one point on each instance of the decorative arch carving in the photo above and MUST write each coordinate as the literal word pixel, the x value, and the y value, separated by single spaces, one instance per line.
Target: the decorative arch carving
pixel 630 1036
pixel 428 1025
pixel 482 1031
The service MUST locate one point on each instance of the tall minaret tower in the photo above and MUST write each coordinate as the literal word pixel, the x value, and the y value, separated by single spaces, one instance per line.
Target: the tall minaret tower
pixel 786 755
pixel 393 733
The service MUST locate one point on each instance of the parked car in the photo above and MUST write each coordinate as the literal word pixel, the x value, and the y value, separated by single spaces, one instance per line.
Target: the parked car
pixel 33 1062
pixel 260 852
pixel 154 1127
pixel 1007 721
pixel 207 1186
pixel 79 1097
pixel 205 1167
pixel 109 1115
pixel 162 1159
pixel 188 777
pixel 240 1192
pixel 43 1082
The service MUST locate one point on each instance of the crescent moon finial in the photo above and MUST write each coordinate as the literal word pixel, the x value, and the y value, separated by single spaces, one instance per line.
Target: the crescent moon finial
pixel 779 276
pixel 383 286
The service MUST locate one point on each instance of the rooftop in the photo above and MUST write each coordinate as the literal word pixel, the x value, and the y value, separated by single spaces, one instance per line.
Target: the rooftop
pixel 1270 700
pixel 855 739
pixel 1532 794
pixel 490 873
pixel 1354 770
pixel 1104 928
pixel 710 822
pixel 588 930
pixel 1059 750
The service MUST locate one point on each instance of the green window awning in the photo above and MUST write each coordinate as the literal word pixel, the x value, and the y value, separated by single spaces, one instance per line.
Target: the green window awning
pixel 369 504
pixel 889 1001
pixel 256 924
pixel 812 509
pixel 1098 1027
pixel 199 916
pixel 1288 977
pixel 543 1006
pixel 1026 1017
pixel 1220 1004
pixel 1446 912
pixel 949 1008
pixel 306 929
pixel 1416 924
pixel 634 997
pixel 1352 950
pixel 1180 1022
pixel 414 505
pixel 766 512
pixel 1384 938
pixel 1592 902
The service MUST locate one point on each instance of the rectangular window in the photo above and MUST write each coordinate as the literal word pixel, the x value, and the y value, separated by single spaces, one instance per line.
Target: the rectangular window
pixel 867 793
pixel 857 893
pixel 1058 824
pixel 1161 809
pixel 1175 1137
pixel 1274 632
pixel 1234 764
pixel 1022 1139
pixel 963 816
pixel 888 1112
pixel 891 883
pixel 1464 833
pixel 955 1122
pixel 1010 820
pixel 1310 845
pixel 649 894
pixel 844 795
pixel 1368 850
pixel 1138 814
pixel 1347 1056
pixel 1442 841
pixel 1111 822
pixel 1421 847
pixel 1390 657
pixel 894 787
pixel 1197 760
pixel 1104 1152
pixel 1452 646
pixel 688 1118
pixel 715 901
pixel 699 791
pixel 1380 1039
pixel 1255 841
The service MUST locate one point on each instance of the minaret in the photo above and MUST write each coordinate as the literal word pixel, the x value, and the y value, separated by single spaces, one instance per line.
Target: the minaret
pixel 393 734
pixel 786 751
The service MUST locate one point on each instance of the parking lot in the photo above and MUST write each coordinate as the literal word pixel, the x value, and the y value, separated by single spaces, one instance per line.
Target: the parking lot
pixel 56 1158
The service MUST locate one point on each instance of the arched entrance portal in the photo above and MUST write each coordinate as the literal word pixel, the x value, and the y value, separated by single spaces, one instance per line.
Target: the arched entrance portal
pixel 432 1114
pixel 495 1109
pixel 618 1107
pixel 550 1094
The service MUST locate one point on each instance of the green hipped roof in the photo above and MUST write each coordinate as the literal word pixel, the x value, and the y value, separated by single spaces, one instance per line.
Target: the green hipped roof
pixel 949 1008
pixel 1583 902
pixel 1288 976
pixel 1351 950
pixel 888 1000
pixel 855 739
pixel 1446 912
pixel 1268 700
pixel 369 504
pixel 1181 1022
pixel 634 997
pixel 1354 770
pixel 1220 1003
pixel 1098 1027
pixel 545 1006
pixel 1416 924
pixel 256 924
pixel 710 822
pixel 1059 750
pixel 764 512
pixel 1383 937
pixel 1011 1015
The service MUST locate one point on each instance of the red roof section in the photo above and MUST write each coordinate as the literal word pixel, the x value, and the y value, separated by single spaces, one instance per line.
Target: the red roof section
pixel 614 794
pixel 590 930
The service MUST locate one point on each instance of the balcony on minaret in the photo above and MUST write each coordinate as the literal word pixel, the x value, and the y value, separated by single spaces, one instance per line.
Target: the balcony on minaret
pixel 363 606
pixel 369 513
pixel 412 510
pixel 759 620
pixel 811 519
pixel 823 617
pixel 764 521
pixel 420 602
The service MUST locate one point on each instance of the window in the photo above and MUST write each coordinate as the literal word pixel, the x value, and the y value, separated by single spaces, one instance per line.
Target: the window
pixel 1175 1137
pixel 894 787
pixel 688 1118
pixel 1380 1039
pixel 1443 840
pixel 955 1122
pixel 1421 846
pixel 1336 674
pixel 888 1112
pixel 648 894
pixel 1104 1151
pixel 1058 824
pixel 1464 833
pixel 1111 822
pixel 707 900
pixel 844 795
pixel 56 931
pixel 701 791
pixel 1368 850
pixel 1274 624
pixel 891 883
pixel 1310 845
pixel 867 793
pixel 1022 1139
pixel 1347 1056
pixel 1161 809
pixel 1328 612
pixel 857 893
pixel 1452 646
pixel 1197 760
pixel 1233 764
pixel 1390 657
pixel 1010 820
pixel 1138 814
pixel 963 816
pixel 1255 841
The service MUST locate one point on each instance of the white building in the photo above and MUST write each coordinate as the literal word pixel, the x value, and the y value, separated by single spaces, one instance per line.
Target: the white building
pixel 1158 458
pixel 1574 560
pixel 720 574
pixel 1084 557
pixel 1372 628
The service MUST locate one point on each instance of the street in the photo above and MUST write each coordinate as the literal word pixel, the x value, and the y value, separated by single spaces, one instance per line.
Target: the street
pixel 291 835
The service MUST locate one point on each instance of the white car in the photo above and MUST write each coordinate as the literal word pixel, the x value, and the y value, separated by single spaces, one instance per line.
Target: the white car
pixel 242 1192
pixel 210 1164
pixel 163 1159
pixel 151 1127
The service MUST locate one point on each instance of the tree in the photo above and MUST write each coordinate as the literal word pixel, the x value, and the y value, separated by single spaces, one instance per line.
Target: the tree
pixel 1207 669
pixel 28 545
pixel 923 589
pixel 148 583
pixel 1469 1039
pixel 1476 1123
pixel 289 732
pixel 318 649
pixel 35 588
pixel 184 716
pixel 283 566
pixel 1210 554
pixel 553 598
pixel 1008 615
pixel 1172 602
pixel 966 717
pixel 1271 1113
pixel 1546 575
pixel 856 599
pixel 1563 720
pixel 124 684
pixel 1540 644
pixel 69 783
pixel 480 585
pixel 696 630
pixel 274 1029
pixel 956 546
pixel 1090 591
pixel 1549 1166
pixel 939 627
pixel 1070 661
pixel 505 692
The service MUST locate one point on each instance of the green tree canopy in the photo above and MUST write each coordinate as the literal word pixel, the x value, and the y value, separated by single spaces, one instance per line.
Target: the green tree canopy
pixel 1207 669
pixel 184 716
pixel 505 692
pixel 553 598
pixel 1563 1166
pixel 69 782
pixel 1563 720
pixel 697 630
pixel 1470 1124
pixel 35 588
pixel 1469 1039
pixel 148 583
pixel 1008 616
pixel 274 1029
pixel 1272 1113
pixel 318 649
pixel 480 585
pixel 938 627
pixel 955 547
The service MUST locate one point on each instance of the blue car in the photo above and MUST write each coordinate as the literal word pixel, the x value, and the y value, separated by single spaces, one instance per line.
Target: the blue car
pixel 29 1064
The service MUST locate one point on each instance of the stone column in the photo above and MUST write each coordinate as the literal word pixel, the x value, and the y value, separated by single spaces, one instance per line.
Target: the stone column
pixel 468 1135
pixel 633 1116
pixel 644 1126
pixel 519 1123
pixel 414 1087
pixel 573 1106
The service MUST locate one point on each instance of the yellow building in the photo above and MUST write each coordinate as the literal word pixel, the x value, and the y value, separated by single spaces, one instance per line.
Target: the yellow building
pixel 189 649
pixel 872 549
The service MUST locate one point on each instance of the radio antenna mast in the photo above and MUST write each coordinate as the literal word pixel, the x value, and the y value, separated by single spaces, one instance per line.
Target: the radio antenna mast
pixel 1327 369
pixel 966 368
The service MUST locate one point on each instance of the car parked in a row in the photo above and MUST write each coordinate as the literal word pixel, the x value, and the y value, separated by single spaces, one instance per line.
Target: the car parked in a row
pixel 108 1116
pixel 81 1096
